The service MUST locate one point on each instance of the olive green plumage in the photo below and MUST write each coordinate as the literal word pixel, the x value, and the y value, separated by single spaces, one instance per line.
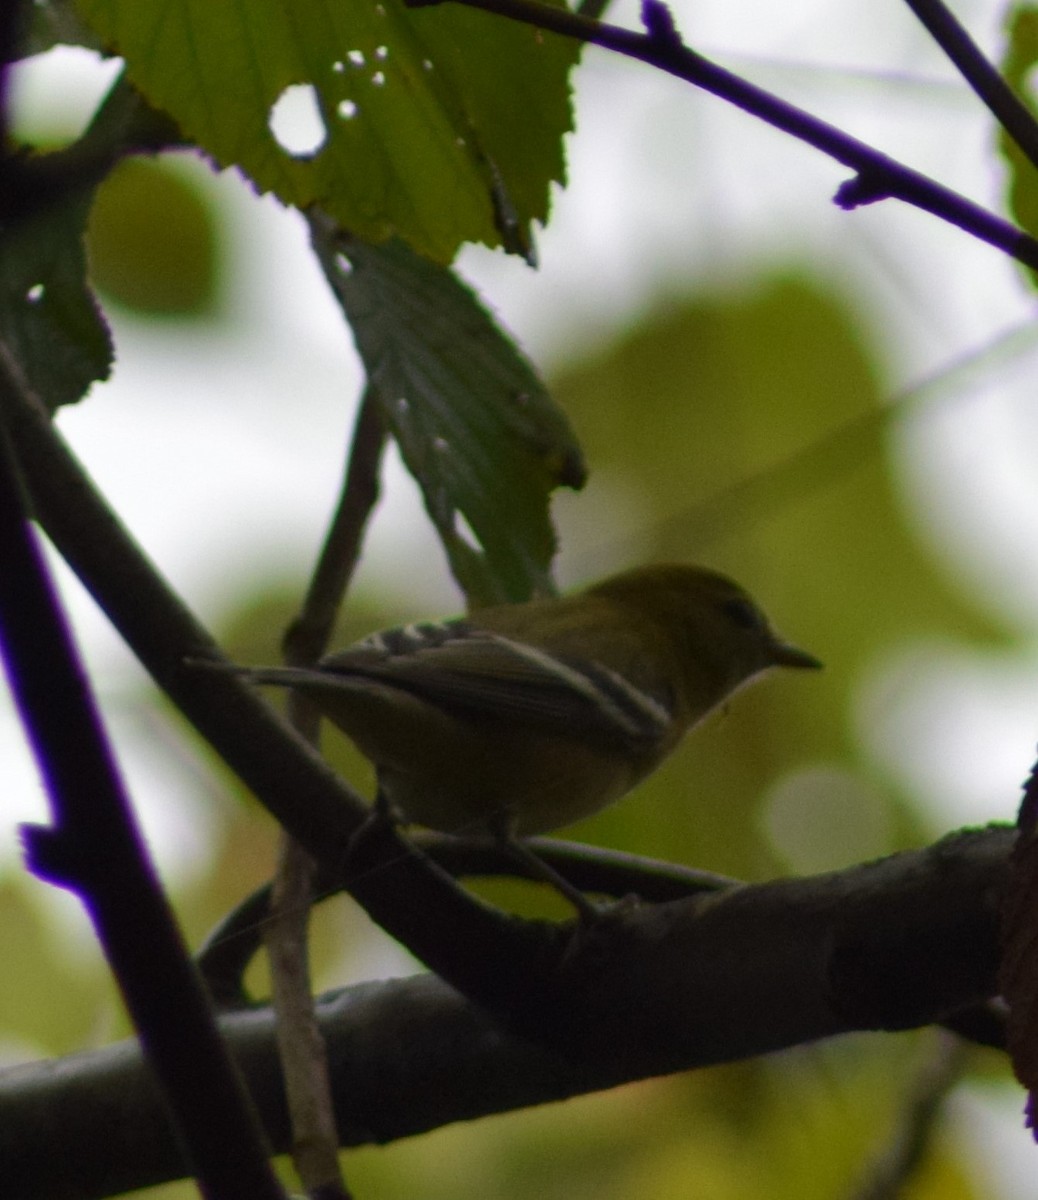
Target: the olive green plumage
pixel 524 718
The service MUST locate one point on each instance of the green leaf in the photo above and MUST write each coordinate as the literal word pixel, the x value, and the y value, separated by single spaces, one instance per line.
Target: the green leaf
pixel 435 123
pixel 50 323
pixel 51 326
pixel 475 425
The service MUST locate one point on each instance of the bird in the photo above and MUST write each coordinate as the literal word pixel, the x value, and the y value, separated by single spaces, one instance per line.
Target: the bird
pixel 521 719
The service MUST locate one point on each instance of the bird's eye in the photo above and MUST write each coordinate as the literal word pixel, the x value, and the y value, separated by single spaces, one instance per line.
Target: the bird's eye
pixel 742 613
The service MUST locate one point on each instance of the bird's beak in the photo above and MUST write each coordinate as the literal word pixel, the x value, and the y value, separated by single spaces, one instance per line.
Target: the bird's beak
pixel 784 655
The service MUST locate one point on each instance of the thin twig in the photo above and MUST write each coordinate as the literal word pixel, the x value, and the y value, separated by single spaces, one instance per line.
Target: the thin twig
pixel 877 176
pixel 231 945
pixel 301 1047
pixel 307 637
pixel 94 848
pixel 916 1124
pixel 1005 106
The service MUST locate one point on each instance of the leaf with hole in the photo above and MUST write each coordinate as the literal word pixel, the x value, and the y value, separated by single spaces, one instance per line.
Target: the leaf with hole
pixel 437 126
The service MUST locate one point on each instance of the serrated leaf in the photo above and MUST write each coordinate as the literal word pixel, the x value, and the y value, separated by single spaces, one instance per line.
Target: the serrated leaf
pixel 475 425
pixel 50 323
pixel 433 121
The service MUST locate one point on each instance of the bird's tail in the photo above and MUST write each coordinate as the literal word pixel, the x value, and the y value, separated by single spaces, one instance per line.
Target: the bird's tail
pixel 272 676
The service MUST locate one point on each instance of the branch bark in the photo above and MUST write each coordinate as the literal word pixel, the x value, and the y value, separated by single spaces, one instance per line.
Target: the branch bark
pixel 890 945
pixel 93 847
pixel 303 1057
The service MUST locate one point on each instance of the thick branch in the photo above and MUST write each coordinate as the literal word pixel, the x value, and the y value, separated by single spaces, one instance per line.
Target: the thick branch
pixel 229 949
pixel 93 847
pixel 889 945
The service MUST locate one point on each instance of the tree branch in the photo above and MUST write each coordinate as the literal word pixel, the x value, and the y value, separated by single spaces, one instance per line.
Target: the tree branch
pixel 889 945
pixel 1005 106
pixel 230 947
pixel 308 635
pixel 877 176
pixel 94 848
pixel 304 1059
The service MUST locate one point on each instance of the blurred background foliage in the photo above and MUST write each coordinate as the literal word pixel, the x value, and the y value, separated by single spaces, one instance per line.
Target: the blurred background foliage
pixel 152 241
pixel 747 425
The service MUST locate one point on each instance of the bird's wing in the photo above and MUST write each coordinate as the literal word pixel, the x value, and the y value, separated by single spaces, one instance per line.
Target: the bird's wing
pixel 462 668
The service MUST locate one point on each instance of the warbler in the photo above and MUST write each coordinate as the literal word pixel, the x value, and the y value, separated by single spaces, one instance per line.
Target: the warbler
pixel 523 718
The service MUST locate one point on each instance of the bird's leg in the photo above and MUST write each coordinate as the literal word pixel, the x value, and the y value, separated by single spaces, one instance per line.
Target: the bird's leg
pixel 383 816
pixel 503 830
pixel 379 821
pixel 382 810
